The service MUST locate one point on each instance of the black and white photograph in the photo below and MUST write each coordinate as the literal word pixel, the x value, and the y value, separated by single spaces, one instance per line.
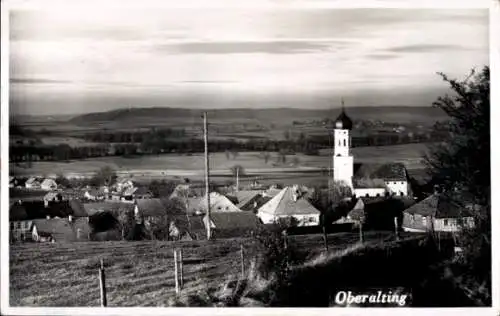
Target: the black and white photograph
pixel 299 154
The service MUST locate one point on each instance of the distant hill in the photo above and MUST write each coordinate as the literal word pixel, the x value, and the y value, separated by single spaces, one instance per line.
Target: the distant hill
pixel 402 114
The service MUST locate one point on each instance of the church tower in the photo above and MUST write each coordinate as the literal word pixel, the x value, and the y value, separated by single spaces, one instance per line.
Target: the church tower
pixel 342 159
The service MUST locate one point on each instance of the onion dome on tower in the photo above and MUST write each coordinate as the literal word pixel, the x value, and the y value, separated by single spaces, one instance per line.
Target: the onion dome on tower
pixel 343 121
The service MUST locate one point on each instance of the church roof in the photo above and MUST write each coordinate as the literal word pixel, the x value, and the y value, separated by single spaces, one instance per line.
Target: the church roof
pixel 343 121
pixel 386 172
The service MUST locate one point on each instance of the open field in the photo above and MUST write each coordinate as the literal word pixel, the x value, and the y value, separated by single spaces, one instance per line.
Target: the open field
pixel 176 165
pixel 137 273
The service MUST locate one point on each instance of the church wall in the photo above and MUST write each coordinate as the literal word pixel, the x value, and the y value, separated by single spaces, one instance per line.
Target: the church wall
pixel 372 192
pixel 397 187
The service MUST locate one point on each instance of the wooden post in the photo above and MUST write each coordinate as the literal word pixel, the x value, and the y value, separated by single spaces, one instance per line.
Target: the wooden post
pixel 237 178
pixel 325 235
pixel 396 228
pixel 181 269
pixel 176 271
pixel 360 231
pixel 102 282
pixel 242 256
pixel 207 175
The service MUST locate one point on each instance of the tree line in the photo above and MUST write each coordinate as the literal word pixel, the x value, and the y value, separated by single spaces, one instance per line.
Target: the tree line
pixel 157 143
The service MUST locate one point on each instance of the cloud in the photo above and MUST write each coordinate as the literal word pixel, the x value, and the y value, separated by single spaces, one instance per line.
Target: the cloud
pixel 425 48
pixel 248 47
pixel 380 56
pixel 37 81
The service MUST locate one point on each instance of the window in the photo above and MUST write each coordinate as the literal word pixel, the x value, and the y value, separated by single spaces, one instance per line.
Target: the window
pixel 345 144
pixel 378 194
pixel 445 222
pixel 401 193
pixel 367 195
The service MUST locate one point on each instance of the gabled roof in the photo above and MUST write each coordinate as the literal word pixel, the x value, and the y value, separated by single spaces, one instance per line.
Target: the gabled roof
pixel 386 172
pixel 218 203
pixel 440 206
pixel 48 181
pixel 32 180
pixel 233 220
pixel 151 207
pixel 284 204
pixel 245 197
pixel 61 229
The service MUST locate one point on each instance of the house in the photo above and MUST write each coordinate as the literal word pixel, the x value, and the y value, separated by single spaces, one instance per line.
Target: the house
pixel 355 215
pixel 438 212
pixel 124 184
pixel 186 190
pixel 67 229
pixel 95 194
pixel 149 209
pixel 136 193
pixel 13 182
pixel 48 184
pixel 232 224
pixel 33 183
pixel 372 180
pixel 218 203
pixel 289 204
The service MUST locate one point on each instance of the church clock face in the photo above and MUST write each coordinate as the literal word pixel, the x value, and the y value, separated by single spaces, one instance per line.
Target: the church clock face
pixel 338 125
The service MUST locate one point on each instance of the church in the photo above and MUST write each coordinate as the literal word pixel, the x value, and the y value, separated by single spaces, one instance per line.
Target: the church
pixel 365 180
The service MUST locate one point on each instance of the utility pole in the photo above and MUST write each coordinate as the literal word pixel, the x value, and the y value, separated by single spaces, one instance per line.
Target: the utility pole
pixel 237 178
pixel 207 177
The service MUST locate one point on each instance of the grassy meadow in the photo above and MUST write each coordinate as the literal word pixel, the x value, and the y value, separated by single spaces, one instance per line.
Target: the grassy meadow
pixel 138 273
pixel 192 165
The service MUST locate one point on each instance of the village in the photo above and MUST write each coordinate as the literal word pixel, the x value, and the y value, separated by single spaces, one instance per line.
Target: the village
pixel 366 197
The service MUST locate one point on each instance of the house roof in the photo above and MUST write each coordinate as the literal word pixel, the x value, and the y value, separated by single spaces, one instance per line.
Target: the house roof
pixel 283 204
pixel 246 196
pixel 77 208
pixel 61 229
pixel 272 192
pixel 151 207
pixel 218 203
pixel 112 207
pixel 233 220
pixel 48 182
pixel 33 180
pixel 386 172
pixel 142 190
pixel 439 206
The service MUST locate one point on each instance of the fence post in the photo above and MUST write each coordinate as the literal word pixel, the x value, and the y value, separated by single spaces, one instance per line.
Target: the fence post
pixel 396 228
pixel 176 271
pixel 285 239
pixel 181 269
pixel 242 255
pixel 360 231
pixel 102 282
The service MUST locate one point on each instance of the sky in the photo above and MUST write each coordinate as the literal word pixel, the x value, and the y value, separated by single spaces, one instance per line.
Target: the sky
pixel 76 61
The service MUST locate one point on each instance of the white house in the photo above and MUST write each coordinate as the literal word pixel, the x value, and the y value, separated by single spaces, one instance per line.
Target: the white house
pixel 289 204
pixel 33 183
pixel 48 185
pixel 438 212
pixel 366 180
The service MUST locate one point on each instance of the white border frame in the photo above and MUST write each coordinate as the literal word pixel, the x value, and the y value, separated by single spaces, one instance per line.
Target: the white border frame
pixel 493 5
